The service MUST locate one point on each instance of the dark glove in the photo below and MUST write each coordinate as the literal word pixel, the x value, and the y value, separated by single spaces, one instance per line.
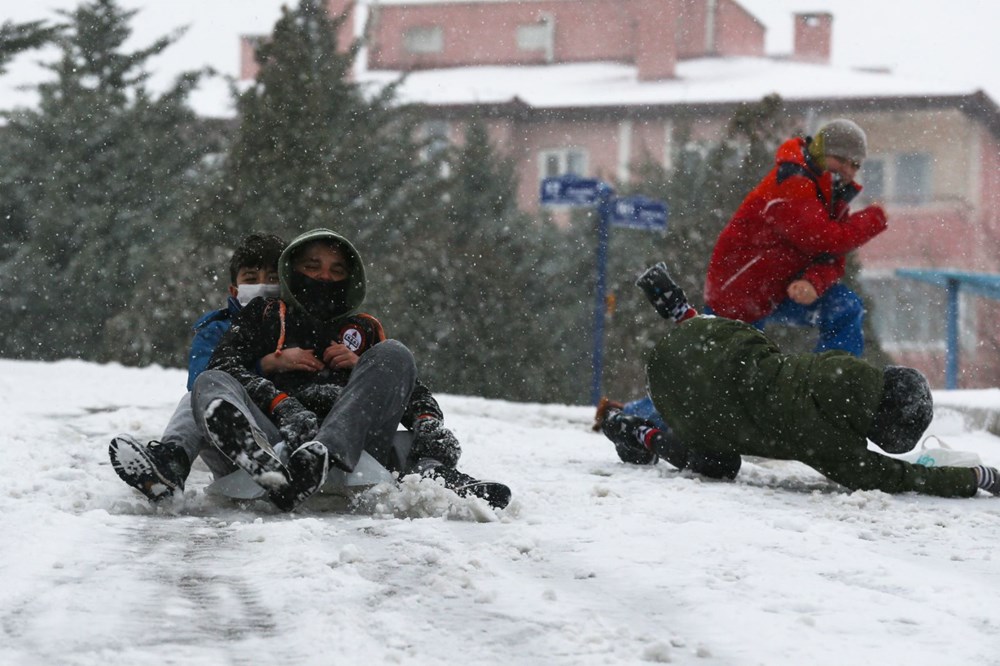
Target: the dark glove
pixel 668 298
pixel 432 440
pixel 296 423
pixel 318 398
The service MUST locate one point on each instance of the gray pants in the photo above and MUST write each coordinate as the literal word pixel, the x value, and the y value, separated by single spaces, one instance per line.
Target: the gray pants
pixel 184 431
pixel 364 418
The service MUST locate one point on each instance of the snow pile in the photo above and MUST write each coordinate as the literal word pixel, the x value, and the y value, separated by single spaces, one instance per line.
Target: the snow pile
pixel 594 562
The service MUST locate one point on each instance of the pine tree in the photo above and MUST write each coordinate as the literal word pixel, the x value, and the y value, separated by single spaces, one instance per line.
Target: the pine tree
pixel 99 179
pixel 315 149
pixel 489 297
pixel 18 37
pixel 14 39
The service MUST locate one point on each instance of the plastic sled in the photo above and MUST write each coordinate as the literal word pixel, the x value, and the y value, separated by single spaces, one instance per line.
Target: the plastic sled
pixel 369 472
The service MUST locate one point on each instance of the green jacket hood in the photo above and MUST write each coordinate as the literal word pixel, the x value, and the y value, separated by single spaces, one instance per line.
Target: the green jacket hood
pixel 358 283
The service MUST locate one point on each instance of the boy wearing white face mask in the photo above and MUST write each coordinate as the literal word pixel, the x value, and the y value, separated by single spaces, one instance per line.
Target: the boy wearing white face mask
pixel 158 469
pixel 253 272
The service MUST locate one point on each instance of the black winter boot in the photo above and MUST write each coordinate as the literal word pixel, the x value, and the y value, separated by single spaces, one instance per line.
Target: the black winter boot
pixel 232 433
pixel 496 494
pixel 713 464
pixel 157 469
pixel 629 436
pixel 666 295
pixel 307 466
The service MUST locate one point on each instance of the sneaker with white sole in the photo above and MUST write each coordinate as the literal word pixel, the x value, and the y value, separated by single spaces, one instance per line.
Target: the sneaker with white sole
pixel 157 469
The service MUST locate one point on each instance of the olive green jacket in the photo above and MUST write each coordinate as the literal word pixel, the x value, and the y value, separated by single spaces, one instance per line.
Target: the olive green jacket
pixel 723 386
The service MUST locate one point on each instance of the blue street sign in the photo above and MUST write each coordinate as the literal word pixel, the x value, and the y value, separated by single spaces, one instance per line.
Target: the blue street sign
pixel 570 190
pixel 638 212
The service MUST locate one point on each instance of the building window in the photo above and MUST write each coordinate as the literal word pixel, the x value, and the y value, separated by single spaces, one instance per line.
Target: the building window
pixel 424 39
pixel 912 316
pixel 913 178
pixel 561 162
pixel 872 178
pixel 904 179
pixel 538 37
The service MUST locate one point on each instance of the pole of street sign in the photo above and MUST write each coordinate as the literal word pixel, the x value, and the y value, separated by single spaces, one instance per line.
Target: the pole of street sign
pixel 600 293
pixel 635 212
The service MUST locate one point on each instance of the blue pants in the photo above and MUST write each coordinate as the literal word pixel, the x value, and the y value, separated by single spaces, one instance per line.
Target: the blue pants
pixel 838 315
pixel 644 409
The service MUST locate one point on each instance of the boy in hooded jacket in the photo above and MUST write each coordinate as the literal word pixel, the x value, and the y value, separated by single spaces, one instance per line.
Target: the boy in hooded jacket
pixel 729 391
pixel 368 385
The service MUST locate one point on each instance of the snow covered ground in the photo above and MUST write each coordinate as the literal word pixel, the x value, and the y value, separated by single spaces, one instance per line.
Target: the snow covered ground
pixel 594 562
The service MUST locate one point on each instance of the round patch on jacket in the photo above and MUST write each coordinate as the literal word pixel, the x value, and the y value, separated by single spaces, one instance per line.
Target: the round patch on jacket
pixel 352 338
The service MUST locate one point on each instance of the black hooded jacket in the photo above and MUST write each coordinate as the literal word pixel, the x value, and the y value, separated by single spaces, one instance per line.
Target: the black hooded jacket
pixel 268 325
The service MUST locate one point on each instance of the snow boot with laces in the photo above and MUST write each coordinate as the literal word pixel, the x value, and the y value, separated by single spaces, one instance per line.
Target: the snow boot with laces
pixel 231 432
pixel 157 469
pixel 629 435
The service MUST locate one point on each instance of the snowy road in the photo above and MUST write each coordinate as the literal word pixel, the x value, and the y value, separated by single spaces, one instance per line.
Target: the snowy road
pixel 595 562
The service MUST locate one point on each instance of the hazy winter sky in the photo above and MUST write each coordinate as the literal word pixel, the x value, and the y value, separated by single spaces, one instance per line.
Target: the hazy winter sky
pixel 953 40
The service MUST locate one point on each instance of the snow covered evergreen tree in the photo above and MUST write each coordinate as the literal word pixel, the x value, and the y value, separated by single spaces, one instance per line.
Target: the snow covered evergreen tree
pixel 14 39
pixel 489 310
pixel 18 37
pixel 98 179
pixel 315 149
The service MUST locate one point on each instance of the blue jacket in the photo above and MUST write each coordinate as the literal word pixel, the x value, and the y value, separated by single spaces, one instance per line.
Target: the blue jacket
pixel 207 332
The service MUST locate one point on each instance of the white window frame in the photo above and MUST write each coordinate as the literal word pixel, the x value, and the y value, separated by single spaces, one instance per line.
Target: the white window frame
pixel 539 36
pixel 562 156
pixel 892 184
pixel 924 192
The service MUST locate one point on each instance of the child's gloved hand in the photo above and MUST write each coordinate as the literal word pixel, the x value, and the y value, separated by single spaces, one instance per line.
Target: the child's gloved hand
pixel 669 299
pixel 296 423
pixel 432 440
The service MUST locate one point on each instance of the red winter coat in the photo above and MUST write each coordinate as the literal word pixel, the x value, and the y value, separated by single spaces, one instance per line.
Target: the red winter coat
pixel 789 227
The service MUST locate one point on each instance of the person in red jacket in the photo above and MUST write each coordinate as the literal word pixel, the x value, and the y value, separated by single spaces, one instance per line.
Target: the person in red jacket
pixel 781 257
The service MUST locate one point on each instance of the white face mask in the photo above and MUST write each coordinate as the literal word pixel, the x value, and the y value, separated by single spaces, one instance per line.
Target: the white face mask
pixel 247 292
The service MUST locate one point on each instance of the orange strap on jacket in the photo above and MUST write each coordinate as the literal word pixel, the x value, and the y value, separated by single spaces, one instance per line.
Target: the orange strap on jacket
pixel 281 337
pixel 278 399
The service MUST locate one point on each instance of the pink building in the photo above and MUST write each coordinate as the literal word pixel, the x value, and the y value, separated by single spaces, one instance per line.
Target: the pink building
pixel 595 87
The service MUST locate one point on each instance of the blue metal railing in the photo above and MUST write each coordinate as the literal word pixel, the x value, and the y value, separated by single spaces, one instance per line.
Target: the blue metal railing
pixel 954 282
